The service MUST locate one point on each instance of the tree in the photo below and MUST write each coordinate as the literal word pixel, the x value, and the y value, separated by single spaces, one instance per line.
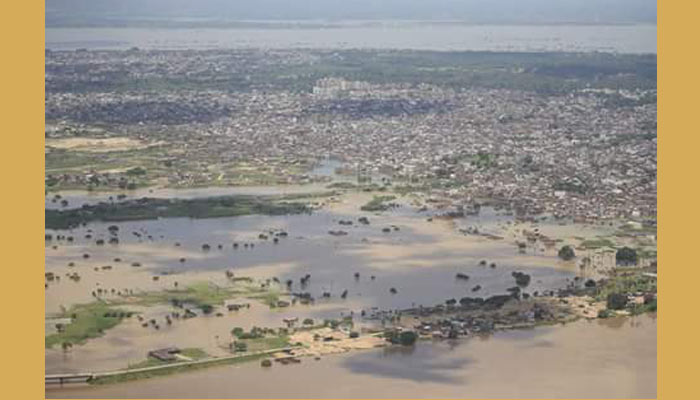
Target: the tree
pixel 626 256
pixel 407 338
pixel 567 253
pixel 136 171
pixel 308 321
pixel 521 278
pixel 616 301
pixel 240 346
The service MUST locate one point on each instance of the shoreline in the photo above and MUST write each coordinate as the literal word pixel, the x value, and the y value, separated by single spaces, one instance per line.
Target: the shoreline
pixel 215 370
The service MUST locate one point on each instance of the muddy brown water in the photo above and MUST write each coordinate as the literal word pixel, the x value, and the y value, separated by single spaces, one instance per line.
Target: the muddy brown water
pixel 420 260
pixel 324 169
pixel 613 358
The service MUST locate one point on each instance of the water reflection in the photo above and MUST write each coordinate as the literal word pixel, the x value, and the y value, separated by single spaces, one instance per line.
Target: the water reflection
pixel 420 363
pixel 578 360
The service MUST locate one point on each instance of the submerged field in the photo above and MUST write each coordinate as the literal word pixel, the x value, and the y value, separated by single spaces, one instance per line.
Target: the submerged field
pixel 116 301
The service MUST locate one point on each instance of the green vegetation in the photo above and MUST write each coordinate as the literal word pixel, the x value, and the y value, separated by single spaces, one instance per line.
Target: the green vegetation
pixel 193 353
pixel 626 256
pixel 335 323
pixel 483 160
pixel 405 338
pixel 646 253
pixel 544 72
pixel 175 368
pixel 153 164
pixel 258 339
pixel 269 298
pixel 623 283
pixel 265 343
pixel 239 346
pixel 136 171
pixel 140 165
pixel 591 244
pixel 648 306
pixel 566 253
pixel 87 321
pixel 342 185
pixel 575 186
pixel 201 295
pixel 625 280
pixel 616 301
pixel 151 208
pixel 378 203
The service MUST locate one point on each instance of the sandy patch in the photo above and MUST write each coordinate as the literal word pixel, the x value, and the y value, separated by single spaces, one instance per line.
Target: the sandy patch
pixel 340 342
pixel 96 145
pixel 585 306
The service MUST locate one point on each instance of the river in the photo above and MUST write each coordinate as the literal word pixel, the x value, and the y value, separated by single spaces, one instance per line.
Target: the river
pixel 413 36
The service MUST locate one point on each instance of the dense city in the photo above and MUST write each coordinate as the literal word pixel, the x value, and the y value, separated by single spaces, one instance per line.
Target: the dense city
pixel 581 143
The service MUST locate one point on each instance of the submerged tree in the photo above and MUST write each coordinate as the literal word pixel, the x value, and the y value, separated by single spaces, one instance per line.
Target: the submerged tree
pixel 567 253
pixel 626 256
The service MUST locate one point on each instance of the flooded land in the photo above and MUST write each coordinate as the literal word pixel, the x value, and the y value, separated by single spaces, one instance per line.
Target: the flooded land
pixel 350 221
pixel 421 260
pixel 594 359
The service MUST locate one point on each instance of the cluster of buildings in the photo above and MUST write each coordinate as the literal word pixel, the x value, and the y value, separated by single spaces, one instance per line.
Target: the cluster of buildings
pixel 569 154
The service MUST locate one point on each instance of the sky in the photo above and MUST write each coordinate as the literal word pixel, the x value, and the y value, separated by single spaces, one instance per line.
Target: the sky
pixel 474 11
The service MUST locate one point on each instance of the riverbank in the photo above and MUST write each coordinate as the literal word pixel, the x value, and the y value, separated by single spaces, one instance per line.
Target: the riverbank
pixel 627 292
pixel 613 358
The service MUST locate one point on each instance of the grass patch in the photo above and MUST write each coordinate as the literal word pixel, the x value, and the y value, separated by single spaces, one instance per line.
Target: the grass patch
pixel 646 253
pixel 626 280
pixel 266 343
pixel 591 244
pixel 194 353
pixel 643 308
pixel 378 203
pixel 342 185
pixel 152 208
pixel 87 321
pixel 270 298
pixel 201 295
pixel 176 368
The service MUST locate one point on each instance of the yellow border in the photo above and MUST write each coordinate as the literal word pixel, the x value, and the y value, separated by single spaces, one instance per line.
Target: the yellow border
pixel 677 164
pixel 22 116
pixel 23 165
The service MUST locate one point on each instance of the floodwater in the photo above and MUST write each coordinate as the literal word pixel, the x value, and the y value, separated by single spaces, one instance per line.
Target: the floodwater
pixel 420 36
pixel 613 358
pixel 419 257
pixel 324 169
pixel 420 260
pixel 78 198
